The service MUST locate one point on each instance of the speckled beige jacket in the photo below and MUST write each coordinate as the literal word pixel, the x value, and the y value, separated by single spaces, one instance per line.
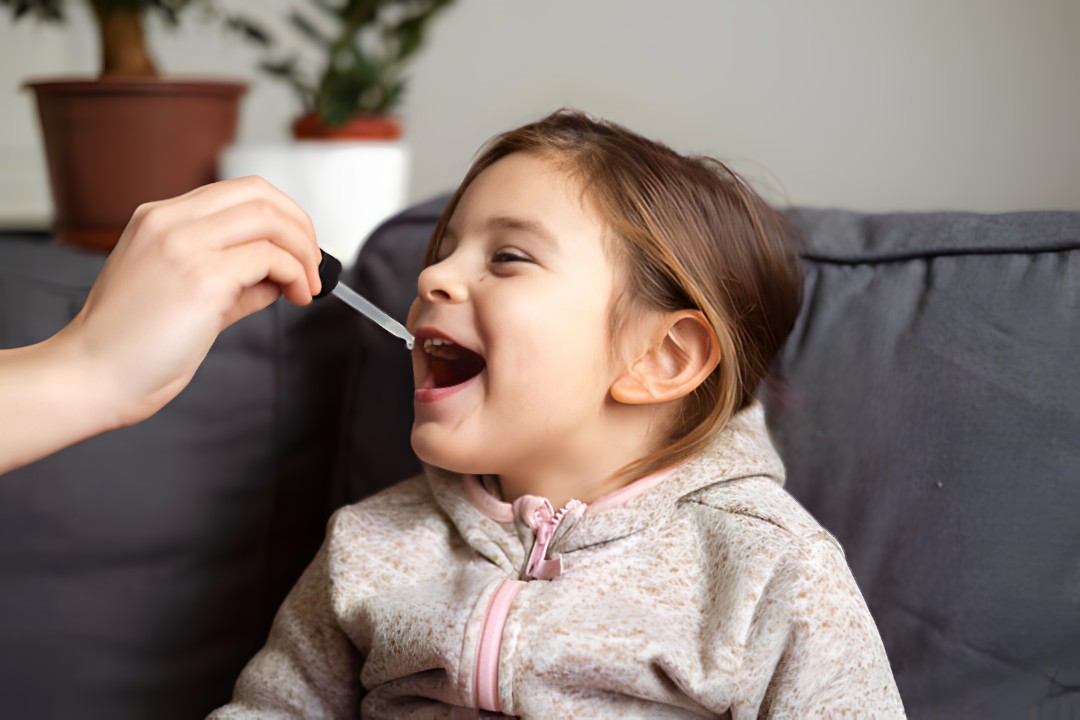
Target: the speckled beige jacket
pixel 703 592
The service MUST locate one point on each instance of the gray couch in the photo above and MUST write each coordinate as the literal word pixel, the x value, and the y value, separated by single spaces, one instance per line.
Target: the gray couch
pixel 927 405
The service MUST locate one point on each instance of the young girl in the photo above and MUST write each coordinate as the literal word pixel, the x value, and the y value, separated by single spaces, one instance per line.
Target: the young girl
pixel 601 529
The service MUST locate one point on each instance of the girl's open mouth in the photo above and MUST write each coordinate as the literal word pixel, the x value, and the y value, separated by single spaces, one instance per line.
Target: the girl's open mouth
pixel 448 366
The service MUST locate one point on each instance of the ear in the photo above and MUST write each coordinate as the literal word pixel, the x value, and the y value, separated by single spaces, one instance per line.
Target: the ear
pixel 685 352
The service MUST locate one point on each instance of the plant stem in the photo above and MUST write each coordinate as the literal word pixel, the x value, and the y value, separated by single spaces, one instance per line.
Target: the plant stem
pixel 357 16
pixel 123 42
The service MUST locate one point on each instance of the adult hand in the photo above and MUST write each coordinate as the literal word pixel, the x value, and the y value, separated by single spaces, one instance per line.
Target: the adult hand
pixel 183 270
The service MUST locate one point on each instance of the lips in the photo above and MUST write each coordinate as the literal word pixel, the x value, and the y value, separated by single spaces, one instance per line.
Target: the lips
pixel 449 364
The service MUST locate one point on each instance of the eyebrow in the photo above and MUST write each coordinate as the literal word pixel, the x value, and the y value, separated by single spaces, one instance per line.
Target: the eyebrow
pixel 507 222
pixel 533 227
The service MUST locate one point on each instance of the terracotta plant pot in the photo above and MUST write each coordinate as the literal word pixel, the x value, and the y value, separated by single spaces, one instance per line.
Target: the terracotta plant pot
pixel 363 127
pixel 113 144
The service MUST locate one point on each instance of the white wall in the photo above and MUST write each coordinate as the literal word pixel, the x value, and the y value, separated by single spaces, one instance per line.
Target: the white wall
pixel 920 105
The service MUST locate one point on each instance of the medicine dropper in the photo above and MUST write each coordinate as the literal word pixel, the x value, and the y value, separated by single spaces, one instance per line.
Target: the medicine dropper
pixel 330 272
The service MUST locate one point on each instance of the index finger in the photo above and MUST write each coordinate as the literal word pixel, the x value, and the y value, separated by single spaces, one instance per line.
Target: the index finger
pixel 259 196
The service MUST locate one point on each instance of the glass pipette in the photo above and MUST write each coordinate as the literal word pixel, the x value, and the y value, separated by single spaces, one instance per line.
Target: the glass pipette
pixel 330 271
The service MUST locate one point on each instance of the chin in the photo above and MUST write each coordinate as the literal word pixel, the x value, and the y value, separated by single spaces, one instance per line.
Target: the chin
pixel 446 455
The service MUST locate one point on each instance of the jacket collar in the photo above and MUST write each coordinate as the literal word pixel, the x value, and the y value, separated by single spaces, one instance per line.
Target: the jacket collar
pixel 499 530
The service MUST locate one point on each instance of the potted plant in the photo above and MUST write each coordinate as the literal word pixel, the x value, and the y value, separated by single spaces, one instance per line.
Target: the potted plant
pixel 127 136
pixel 361 81
pixel 348 168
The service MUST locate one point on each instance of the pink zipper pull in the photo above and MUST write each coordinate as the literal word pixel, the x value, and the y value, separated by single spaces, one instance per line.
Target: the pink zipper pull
pixel 541 518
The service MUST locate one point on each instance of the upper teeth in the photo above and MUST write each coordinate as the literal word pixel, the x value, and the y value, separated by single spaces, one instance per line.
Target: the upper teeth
pixel 433 342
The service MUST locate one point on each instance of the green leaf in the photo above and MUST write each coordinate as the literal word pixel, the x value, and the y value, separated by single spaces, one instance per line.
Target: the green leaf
pixel 338 95
pixel 411 34
pixel 360 67
pixel 307 29
pixel 47 10
pixel 169 10
pixel 249 30
pixel 336 108
pixel 330 8
pixel 359 12
pixel 280 68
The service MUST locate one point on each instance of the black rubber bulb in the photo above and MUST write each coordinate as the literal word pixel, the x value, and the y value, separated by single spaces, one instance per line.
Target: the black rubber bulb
pixel 329 272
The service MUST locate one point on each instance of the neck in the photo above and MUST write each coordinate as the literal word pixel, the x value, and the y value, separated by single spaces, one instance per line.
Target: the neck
pixel 588 471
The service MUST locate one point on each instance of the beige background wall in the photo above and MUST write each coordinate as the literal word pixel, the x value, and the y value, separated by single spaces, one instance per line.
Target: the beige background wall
pixel 920 105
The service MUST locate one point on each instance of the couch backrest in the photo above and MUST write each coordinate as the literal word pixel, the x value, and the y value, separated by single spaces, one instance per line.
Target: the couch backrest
pixel 930 418
pixel 927 406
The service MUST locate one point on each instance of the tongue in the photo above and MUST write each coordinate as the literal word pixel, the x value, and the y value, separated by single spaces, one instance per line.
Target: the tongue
pixel 454 371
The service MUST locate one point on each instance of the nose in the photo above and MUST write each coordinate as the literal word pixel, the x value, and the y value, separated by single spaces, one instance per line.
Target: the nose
pixel 441 282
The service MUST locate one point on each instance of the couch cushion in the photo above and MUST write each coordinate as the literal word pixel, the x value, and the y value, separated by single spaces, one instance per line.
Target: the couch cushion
pixel 929 416
pixel 139 570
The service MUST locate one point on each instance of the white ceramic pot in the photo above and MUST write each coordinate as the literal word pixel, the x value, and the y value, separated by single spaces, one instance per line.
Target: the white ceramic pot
pixel 347 187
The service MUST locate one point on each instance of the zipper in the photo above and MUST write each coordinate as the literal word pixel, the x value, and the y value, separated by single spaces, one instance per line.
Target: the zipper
pixel 545 522
pixel 542 519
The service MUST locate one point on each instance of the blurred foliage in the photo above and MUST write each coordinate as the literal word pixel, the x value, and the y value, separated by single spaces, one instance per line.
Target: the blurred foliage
pixel 366 53
pixel 53 10
pixel 119 25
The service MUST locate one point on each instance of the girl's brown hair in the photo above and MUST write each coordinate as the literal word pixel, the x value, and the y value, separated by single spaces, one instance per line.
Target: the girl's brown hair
pixel 686 233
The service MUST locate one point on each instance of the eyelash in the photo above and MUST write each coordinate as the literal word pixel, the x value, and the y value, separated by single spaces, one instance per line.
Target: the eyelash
pixel 499 257
pixel 502 256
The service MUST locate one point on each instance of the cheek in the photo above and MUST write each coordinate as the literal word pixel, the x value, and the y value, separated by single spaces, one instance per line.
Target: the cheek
pixel 557 350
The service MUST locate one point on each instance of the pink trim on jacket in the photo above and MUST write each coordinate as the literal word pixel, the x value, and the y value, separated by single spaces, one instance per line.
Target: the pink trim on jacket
pixel 503 512
pixel 628 492
pixel 487 503
pixel 487 653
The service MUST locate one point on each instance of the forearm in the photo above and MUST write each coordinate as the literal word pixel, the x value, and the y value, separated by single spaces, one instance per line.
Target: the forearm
pixel 50 398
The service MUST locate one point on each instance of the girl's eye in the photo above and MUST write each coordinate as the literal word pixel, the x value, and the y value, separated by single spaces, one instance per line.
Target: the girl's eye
pixel 509 256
